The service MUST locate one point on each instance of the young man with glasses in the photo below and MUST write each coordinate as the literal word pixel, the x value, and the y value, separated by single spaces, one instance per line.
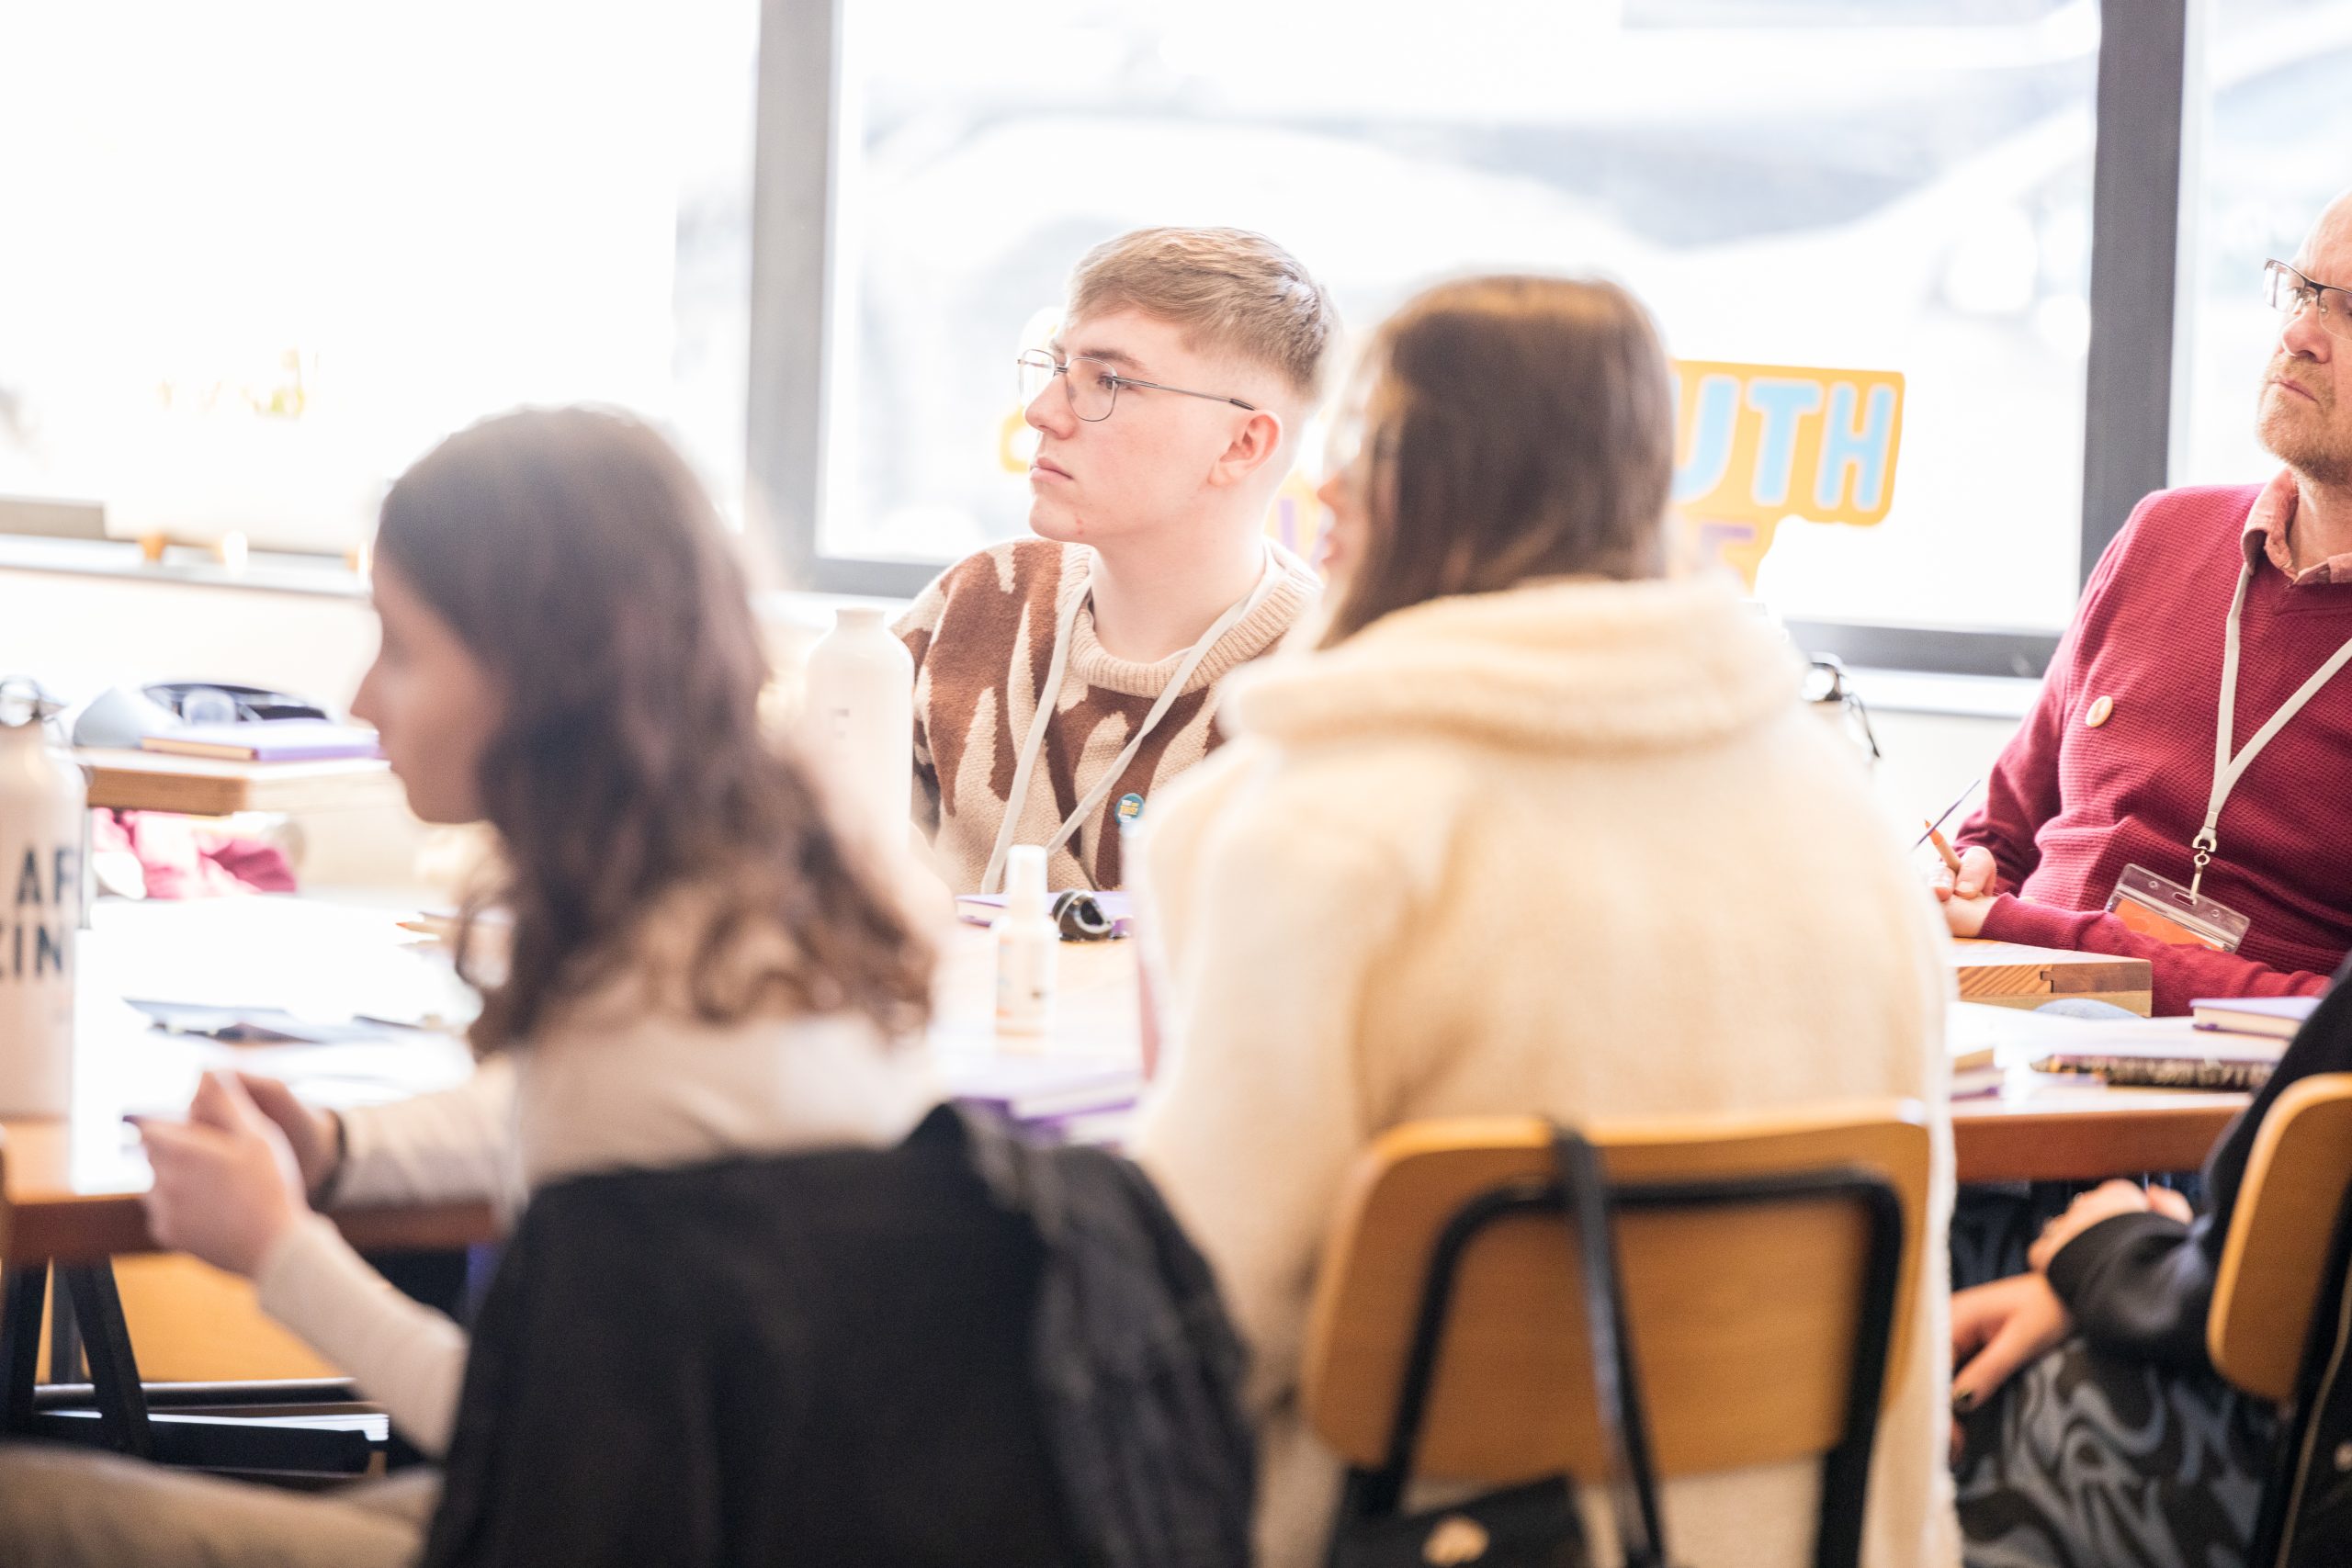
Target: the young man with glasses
pixel 1060 679
pixel 2179 791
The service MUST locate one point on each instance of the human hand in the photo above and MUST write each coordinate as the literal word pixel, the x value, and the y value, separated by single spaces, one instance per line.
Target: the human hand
pixel 1965 917
pixel 1977 877
pixel 1997 1328
pixel 314 1136
pixel 227 1185
pixel 2104 1201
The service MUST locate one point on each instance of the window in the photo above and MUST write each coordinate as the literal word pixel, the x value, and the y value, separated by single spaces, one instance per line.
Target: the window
pixel 2278 146
pixel 261 254
pixel 1888 187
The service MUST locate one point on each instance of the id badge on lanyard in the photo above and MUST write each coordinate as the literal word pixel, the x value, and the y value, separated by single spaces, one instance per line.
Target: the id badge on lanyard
pixel 2158 907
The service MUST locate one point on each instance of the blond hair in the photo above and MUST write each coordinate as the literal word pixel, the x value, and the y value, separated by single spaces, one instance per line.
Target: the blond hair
pixel 1225 287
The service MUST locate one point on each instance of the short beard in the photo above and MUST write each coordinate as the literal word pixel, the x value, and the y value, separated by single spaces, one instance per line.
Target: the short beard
pixel 2322 457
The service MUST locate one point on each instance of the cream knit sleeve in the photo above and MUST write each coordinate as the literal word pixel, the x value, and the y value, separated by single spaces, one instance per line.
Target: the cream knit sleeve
pixel 404 1355
pixel 446 1147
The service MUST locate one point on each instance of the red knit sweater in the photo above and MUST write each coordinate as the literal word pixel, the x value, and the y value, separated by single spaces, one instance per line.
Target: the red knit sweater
pixel 2070 804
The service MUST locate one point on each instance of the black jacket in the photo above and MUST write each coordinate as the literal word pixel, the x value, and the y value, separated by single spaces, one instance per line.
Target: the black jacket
pixel 2142 1284
pixel 963 1352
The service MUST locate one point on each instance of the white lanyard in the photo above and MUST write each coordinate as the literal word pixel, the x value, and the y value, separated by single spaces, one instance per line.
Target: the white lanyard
pixel 2227 770
pixel 1051 697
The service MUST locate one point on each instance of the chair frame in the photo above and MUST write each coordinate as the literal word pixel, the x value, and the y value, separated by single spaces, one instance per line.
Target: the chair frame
pixel 2326 1343
pixel 1374 1493
pixel 213 1426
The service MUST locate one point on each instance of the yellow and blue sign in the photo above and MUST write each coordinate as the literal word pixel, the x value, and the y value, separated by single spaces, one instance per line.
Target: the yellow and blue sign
pixel 1758 444
pixel 1755 444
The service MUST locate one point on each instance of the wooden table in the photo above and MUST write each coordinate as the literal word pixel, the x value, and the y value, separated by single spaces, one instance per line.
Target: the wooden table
pixel 151 781
pixel 70 1190
pixel 2088 1132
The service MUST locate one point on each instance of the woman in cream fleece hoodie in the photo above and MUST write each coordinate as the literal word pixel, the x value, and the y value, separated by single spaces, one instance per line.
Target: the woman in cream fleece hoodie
pixel 1536 829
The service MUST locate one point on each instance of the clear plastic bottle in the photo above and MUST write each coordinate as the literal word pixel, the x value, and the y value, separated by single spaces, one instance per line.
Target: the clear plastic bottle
pixel 1027 946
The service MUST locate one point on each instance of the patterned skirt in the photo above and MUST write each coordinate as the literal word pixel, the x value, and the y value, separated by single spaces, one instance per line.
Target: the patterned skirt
pixel 2091 1461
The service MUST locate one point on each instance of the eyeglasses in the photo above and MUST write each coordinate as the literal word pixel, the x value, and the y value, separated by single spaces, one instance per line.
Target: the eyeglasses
pixel 1093 385
pixel 2289 291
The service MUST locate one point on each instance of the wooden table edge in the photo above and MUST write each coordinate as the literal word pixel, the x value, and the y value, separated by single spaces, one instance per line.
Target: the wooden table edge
pixel 203 786
pixel 1997 1142
pixel 85 1230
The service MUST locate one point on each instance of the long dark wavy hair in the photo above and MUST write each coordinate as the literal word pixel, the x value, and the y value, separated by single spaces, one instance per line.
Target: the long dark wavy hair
pixel 579 559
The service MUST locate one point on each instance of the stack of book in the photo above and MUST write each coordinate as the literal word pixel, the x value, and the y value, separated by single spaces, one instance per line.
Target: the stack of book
pixel 1077 1099
pixel 271 740
pixel 1989 1043
pixel 2273 1018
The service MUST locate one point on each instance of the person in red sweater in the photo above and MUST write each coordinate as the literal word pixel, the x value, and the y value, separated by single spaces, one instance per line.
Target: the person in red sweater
pixel 2116 765
pixel 2114 1440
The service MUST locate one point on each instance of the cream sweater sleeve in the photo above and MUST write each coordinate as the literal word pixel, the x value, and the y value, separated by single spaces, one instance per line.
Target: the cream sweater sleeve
pixel 1267 937
pixel 404 1355
pixel 442 1147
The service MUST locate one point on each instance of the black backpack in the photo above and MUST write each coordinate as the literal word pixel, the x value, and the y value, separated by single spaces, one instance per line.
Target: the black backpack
pixel 1139 1369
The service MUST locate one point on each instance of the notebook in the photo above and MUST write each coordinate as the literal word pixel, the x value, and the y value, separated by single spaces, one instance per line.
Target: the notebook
pixel 2127 1052
pixel 2166 1053
pixel 2276 1017
pixel 1040 1088
pixel 273 740
pixel 1985 1041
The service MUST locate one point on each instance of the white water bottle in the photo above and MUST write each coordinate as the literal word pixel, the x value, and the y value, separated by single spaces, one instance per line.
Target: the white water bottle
pixel 1028 944
pixel 41 805
pixel 858 727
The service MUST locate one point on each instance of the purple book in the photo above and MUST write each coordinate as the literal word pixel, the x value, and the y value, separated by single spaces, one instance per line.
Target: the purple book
pixel 1034 1089
pixel 266 740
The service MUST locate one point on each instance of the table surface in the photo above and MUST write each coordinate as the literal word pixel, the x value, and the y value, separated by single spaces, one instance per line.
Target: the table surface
pixel 69 1188
pixel 202 786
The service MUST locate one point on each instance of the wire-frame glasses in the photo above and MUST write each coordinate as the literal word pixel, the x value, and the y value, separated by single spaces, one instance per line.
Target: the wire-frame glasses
pixel 1093 383
pixel 2289 291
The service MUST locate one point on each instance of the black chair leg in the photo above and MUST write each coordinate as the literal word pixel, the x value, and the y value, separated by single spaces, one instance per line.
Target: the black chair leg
pixel 65 1333
pixel 21 1293
pixel 114 1373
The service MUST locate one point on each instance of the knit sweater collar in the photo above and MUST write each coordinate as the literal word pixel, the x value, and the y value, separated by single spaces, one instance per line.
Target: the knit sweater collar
pixel 1294 591
pixel 1568 666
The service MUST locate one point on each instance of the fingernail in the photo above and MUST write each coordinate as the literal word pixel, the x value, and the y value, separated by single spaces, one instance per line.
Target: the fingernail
pixel 1963 1400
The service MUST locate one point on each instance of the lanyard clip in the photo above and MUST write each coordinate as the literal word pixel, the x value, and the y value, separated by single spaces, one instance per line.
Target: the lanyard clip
pixel 2206 845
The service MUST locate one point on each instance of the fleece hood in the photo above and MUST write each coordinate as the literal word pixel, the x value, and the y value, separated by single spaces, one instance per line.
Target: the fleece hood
pixel 1583 665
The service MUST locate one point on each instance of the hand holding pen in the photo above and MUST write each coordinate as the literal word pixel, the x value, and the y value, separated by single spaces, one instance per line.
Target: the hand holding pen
pixel 1965 883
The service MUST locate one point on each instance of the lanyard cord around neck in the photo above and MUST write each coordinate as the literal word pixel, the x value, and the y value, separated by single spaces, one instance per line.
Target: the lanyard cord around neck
pixel 2227 770
pixel 1049 698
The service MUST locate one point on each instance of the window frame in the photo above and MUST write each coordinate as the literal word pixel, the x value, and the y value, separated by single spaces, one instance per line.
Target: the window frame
pixel 2147 112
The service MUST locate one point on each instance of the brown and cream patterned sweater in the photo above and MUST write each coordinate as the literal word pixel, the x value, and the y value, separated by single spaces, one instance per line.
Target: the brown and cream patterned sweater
pixel 982 636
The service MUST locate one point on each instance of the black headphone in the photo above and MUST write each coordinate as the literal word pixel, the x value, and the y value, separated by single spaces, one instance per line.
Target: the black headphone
pixel 1078 915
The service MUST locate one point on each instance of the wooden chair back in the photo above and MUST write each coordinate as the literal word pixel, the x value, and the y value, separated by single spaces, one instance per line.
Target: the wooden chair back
pixel 2282 1233
pixel 1745 1307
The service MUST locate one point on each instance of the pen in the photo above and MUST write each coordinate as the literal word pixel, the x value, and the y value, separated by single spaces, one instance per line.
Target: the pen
pixel 1943 848
pixel 1946 818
